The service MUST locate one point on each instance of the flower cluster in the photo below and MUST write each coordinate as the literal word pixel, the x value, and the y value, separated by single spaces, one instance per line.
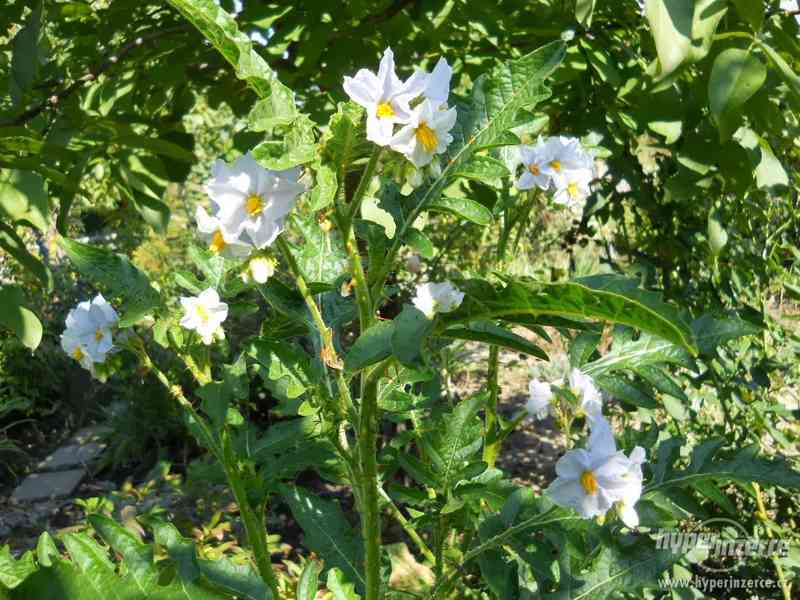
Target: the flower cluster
pixel 558 164
pixel 597 478
pixel 417 105
pixel 250 206
pixel 433 298
pixel 88 336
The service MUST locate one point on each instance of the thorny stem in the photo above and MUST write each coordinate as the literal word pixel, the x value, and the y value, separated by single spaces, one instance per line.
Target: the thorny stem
pixel 407 527
pixel 254 526
pixel 329 356
pixel 370 512
pixel 491 448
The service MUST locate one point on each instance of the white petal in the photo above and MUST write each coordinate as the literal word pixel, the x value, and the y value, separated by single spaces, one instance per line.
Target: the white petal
pixel 573 464
pixel 437 87
pixel 361 89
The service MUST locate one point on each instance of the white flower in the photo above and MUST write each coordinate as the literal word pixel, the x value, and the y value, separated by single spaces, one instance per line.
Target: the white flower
pixel 88 337
pixel 437 84
pixel 261 269
pixel 384 96
pixel 790 6
pixel 252 202
pixel 583 388
pixel 435 298
pixel 572 187
pixel 564 154
pixel 540 399
pixel 626 506
pixel 211 232
pixel 534 159
pixel 592 480
pixel 205 314
pixel 426 134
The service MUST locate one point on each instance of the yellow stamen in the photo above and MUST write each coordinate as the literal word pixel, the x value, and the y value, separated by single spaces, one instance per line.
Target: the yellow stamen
pixel 534 169
pixel 217 242
pixel 589 483
pixel 572 190
pixel 98 334
pixel 78 354
pixel 384 110
pixel 254 205
pixel 202 313
pixel 556 164
pixel 427 137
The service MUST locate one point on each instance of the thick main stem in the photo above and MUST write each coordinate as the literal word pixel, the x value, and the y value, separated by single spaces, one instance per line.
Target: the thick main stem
pixel 370 513
pixel 492 443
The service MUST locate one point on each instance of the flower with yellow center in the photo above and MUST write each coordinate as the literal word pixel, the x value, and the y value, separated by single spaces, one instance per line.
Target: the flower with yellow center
pixel 594 479
pixel 254 205
pixel 572 188
pixel 88 334
pixel 385 97
pixel 251 203
pixel 211 232
pixel 532 158
pixel 205 314
pixel 556 166
pixel 588 482
pixel 426 135
pixel 384 110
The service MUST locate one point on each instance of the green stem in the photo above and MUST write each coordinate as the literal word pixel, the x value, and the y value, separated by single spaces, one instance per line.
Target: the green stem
pixel 407 527
pixel 537 521
pixel 370 512
pixel 492 444
pixel 363 185
pixel 328 354
pixel 254 527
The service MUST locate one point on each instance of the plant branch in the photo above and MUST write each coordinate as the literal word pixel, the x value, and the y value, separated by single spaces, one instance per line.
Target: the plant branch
pixel 108 61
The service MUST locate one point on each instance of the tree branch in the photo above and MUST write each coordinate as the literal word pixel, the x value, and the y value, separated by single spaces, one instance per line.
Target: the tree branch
pixel 108 61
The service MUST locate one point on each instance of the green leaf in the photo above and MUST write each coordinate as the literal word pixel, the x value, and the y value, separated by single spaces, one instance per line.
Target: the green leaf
pixel 23 198
pixel 338 585
pixel 619 387
pixel 735 77
pixel 286 364
pixel 583 12
pixel 137 555
pixel 17 318
pixel 453 441
pixel 117 273
pixel 372 346
pixel 752 12
pixel 671 25
pixel 791 78
pixel 483 168
pixel 614 570
pixel 46 550
pixel 27 54
pixel 713 331
pixel 15 246
pixel 743 465
pixel 489 333
pixel 463 208
pixel 768 170
pixel 601 297
pixel 309 581
pixel 327 532
pixel 12 571
pixel 411 329
pixel 221 30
